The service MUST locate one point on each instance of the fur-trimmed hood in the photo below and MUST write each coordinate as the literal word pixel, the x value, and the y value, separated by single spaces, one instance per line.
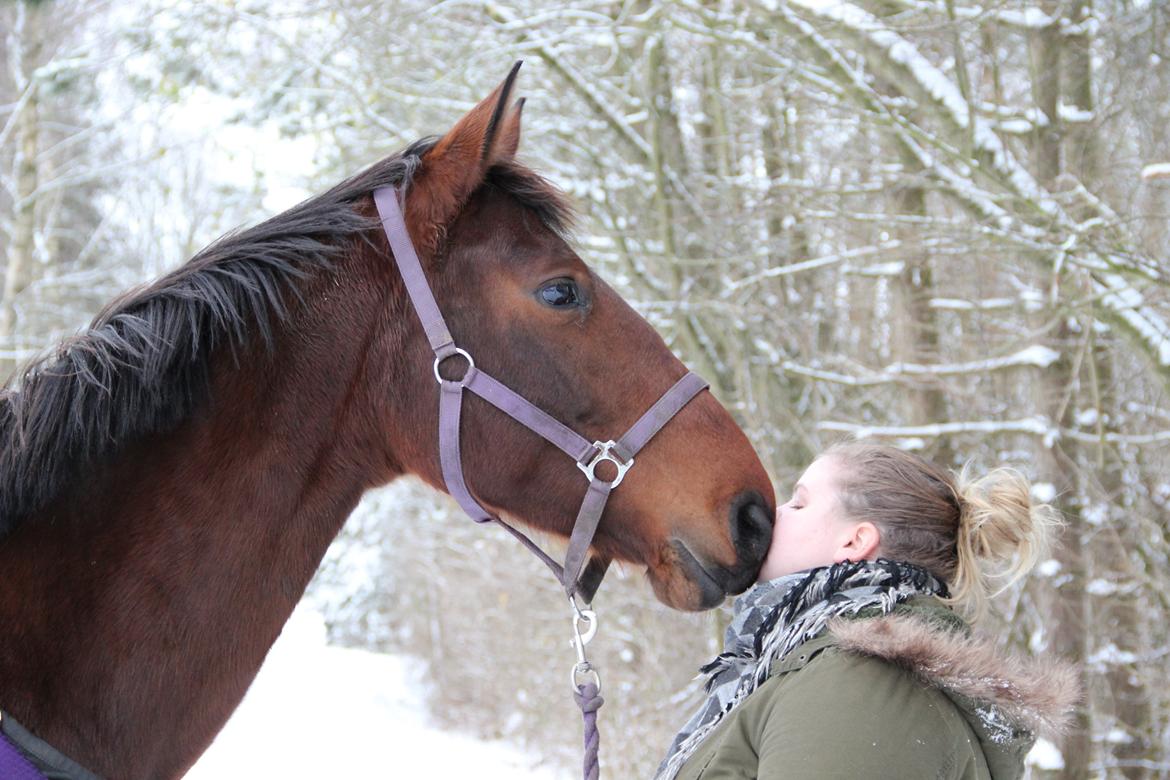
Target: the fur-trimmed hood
pixel 1007 699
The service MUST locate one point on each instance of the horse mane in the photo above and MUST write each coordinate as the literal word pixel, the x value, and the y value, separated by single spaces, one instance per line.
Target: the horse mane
pixel 143 366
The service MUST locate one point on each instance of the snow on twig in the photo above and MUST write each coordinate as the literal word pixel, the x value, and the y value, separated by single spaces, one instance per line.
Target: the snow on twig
pixel 905 64
pixel 1156 171
pixel 809 265
pixel 937 85
pixel 598 103
pixel 1038 356
pixel 1036 426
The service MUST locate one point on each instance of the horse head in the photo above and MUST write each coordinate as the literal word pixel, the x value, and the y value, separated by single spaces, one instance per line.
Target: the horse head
pixel 494 241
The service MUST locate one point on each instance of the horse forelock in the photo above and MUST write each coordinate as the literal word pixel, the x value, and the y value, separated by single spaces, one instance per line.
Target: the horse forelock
pixel 536 194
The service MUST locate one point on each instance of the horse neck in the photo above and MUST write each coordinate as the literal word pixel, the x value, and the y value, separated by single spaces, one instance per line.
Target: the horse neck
pixel 165 577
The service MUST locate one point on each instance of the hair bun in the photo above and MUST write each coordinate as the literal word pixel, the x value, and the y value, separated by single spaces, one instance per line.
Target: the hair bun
pixel 1002 532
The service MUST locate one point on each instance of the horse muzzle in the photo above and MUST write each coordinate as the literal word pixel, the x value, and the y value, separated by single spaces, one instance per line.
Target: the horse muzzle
pixel 691 580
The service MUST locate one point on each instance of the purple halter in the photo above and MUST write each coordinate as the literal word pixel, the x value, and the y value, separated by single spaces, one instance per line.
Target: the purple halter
pixel 587 455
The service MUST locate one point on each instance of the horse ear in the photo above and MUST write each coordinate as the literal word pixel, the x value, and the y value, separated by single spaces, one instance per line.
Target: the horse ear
pixel 455 166
pixel 509 142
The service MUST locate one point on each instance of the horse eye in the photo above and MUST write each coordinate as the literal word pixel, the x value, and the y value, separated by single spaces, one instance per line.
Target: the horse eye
pixel 561 294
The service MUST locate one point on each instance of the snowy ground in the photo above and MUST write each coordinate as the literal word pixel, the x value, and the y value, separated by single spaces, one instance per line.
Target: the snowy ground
pixel 319 711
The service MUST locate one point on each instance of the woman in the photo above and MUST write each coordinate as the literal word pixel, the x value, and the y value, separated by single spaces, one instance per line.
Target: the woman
pixel 848 660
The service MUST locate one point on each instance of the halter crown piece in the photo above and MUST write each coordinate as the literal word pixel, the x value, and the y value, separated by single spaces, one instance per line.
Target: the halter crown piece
pixel 584 679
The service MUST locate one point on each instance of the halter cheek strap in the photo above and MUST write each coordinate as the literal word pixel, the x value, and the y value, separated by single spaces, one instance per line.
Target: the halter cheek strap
pixel 587 455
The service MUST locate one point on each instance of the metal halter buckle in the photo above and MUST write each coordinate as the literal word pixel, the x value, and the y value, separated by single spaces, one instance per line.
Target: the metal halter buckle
pixel 604 452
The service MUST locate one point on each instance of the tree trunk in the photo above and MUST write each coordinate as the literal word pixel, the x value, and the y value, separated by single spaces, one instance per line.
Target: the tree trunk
pixel 24 54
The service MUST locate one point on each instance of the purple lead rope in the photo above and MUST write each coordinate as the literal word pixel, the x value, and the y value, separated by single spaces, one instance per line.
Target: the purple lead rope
pixel 589 700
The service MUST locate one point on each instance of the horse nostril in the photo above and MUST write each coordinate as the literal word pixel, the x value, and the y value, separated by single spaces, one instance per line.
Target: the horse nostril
pixel 751 533
pixel 751 529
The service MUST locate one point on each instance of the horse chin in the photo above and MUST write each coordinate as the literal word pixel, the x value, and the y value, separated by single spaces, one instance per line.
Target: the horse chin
pixel 683 583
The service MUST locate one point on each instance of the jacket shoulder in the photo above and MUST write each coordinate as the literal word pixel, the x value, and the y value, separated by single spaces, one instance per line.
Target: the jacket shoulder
pixel 1037 695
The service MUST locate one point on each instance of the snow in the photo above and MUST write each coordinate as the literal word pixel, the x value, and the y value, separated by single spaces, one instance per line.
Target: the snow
pixel 1156 171
pixel 1036 355
pixel 1032 18
pixel 321 711
pixel 1095 514
pixel 1036 642
pixel 1074 113
pixel 892 268
pixel 1044 492
pixel 1015 126
pixel 1049 568
pixel 1111 655
pixel 1045 755
pixel 940 88
pixel 808 265
pixel 1035 425
pixel 958 304
pixel 1118 737
pixel 1130 306
pixel 1100 587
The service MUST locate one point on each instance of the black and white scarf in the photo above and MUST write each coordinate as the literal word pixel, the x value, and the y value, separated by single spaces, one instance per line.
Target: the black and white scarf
pixel 776 616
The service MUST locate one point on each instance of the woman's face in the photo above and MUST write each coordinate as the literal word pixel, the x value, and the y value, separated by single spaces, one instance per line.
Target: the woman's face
pixel 810 529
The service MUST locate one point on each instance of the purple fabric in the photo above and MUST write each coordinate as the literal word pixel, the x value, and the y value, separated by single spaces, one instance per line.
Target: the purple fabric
pixel 450 407
pixel 13 764
pixel 386 200
pixel 507 401
pixel 557 569
pixel 584 528
pixel 450 453
pixel 671 402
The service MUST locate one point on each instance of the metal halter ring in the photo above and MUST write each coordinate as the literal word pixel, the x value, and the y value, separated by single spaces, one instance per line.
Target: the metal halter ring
pixel 604 449
pixel 462 353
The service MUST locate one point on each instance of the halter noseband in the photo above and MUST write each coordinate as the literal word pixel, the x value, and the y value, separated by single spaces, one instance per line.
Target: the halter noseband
pixel 587 455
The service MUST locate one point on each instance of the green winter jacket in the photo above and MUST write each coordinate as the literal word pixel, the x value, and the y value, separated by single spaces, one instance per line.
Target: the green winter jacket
pixel 907 695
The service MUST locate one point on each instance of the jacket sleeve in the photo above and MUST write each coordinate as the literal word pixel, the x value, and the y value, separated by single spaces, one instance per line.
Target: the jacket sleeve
pixel 846 716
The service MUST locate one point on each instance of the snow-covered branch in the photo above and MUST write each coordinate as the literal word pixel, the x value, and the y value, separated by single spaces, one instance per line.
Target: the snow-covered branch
pixel 1037 356
pixel 1035 426
pixel 988 180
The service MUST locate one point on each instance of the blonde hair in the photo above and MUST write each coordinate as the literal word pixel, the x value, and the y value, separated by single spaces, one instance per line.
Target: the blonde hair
pixel 979 535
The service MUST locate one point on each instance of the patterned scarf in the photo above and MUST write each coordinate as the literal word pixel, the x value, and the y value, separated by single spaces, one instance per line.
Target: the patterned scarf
pixel 774 617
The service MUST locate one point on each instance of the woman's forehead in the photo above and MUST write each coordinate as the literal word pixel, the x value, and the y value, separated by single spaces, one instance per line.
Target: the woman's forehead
pixel 821 473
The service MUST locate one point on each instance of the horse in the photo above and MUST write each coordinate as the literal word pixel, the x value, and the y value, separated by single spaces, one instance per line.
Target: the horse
pixel 172 476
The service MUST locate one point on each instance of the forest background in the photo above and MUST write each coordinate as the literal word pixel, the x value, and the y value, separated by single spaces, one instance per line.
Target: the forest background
pixel 938 223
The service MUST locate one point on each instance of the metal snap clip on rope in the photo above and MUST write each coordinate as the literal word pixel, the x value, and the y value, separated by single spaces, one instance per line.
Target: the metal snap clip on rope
pixel 583 671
